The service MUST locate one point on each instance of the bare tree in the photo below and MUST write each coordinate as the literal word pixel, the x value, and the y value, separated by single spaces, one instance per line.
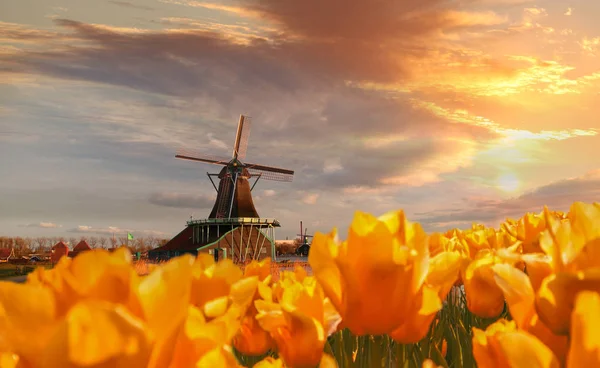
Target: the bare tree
pixel 6 242
pixel 73 241
pixel 151 242
pixel 93 241
pixel 122 240
pixel 62 239
pixel 102 241
pixel 41 243
pixel 113 242
pixel 83 238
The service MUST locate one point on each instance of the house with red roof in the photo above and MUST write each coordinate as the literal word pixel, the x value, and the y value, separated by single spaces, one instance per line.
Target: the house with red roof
pixel 82 246
pixel 58 251
pixel 6 254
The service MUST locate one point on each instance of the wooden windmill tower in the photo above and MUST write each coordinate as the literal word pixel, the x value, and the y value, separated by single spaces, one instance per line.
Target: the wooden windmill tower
pixel 233 228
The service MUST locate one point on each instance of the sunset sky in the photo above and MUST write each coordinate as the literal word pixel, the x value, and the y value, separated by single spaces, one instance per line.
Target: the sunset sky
pixel 455 111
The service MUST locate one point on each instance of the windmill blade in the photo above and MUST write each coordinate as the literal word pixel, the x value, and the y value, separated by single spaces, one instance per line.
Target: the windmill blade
pixel 270 175
pixel 241 137
pixel 269 169
pixel 186 154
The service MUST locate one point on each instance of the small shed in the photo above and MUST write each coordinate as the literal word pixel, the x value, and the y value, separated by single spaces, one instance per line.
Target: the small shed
pixel 59 250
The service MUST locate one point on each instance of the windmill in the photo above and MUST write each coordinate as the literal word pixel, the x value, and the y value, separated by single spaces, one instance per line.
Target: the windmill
pixel 304 247
pixel 234 198
pixel 233 228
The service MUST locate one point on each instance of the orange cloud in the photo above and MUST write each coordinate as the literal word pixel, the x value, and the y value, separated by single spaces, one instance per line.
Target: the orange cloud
pixel 508 135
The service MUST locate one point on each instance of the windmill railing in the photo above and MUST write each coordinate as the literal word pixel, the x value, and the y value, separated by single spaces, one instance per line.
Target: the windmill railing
pixel 236 220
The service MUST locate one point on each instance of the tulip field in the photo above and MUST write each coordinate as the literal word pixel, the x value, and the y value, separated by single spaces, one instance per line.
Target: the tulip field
pixel 526 294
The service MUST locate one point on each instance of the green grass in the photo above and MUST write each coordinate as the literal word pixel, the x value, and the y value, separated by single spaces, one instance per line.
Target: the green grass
pixel 8 270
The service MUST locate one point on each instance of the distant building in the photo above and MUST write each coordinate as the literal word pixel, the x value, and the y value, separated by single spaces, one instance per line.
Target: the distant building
pixel 58 251
pixel 82 246
pixel 6 254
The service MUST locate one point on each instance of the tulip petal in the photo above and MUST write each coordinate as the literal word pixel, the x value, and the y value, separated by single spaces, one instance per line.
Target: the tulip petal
pixel 585 331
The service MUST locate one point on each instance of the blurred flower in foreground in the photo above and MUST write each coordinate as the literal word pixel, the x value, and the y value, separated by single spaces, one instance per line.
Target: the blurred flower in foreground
pixel 502 345
pixel 377 278
pixel 252 339
pixel 94 311
pixel 299 319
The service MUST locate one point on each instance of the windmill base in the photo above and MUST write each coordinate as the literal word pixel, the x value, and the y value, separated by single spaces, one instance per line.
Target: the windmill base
pixel 239 239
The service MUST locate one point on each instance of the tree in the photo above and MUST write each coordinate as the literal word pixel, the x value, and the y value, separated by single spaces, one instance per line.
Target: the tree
pixel 151 242
pixel 73 241
pixel 41 243
pixel 83 238
pixel 93 241
pixel 6 242
pixel 113 242
pixel 102 241
pixel 122 240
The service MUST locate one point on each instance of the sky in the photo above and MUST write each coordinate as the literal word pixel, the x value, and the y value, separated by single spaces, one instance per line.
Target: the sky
pixel 456 111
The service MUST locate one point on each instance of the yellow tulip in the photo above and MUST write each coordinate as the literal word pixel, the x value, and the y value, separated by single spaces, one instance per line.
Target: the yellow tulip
pixel 484 297
pixel 98 334
pixel 502 345
pixel 300 322
pixel 252 339
pixel 270 362
pixel 9 360
pixel 520 297
pixel 96 274
pixel 377 278
pixel 190 326
pixel 28 320
pixel 428 363
pixel 574 246
pixel 527 230
pixel 585 331
pixel 327 361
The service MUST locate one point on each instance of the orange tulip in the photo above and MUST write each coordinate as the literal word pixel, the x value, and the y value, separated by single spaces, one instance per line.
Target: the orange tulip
pixel 252 339
pixel 520 297
pixel 377 278
pixel 300 322
pixel 502 345
pixel 327 361
pixel 574 246
pixel 428 363
pixel 585 331
pixel 484 297
pixel 527 230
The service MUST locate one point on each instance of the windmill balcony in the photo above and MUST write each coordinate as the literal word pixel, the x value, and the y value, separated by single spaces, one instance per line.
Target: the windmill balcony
pixel 236 220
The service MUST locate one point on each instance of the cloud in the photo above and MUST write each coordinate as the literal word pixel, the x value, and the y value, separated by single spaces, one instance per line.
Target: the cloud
pixel 558 195
pixel 371 43
pixel 127 4
pixel 43 225
pixel 216 142
pixel 310 198
pixel 569 12
pixel 179 200
pixel 269 193
pixel 113 230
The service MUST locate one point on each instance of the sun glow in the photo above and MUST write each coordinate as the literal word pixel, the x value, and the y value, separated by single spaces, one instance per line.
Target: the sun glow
pixel 508 183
